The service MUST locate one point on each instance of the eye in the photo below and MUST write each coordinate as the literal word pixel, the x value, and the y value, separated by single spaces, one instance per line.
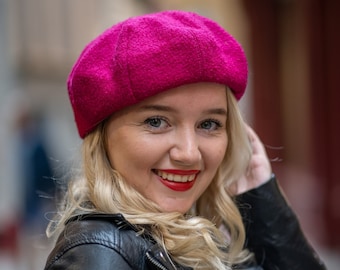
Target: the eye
pixel 210 125
pixel 156 122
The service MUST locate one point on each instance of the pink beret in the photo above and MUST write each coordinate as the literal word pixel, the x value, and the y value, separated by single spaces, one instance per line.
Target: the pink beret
pixel 146 55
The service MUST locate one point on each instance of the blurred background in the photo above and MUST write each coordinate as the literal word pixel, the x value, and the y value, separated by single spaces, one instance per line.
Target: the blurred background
pixel 292 101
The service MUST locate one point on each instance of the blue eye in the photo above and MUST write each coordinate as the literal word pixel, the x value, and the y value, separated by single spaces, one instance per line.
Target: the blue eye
pixel 210 125
pixel 156 122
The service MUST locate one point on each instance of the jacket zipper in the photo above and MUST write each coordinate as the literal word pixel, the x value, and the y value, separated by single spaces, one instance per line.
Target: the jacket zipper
pixel 155 262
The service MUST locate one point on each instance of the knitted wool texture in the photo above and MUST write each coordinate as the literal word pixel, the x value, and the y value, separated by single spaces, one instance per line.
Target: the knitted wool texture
pixel 146 55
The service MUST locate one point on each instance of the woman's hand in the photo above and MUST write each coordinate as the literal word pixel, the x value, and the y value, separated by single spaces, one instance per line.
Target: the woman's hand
pixel 259 169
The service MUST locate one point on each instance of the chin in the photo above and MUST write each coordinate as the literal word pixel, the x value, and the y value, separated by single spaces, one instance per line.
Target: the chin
pixel 173 209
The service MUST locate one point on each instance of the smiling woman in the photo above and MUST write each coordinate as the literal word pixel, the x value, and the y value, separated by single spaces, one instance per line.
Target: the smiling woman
pixel 166 155
pixel 174 141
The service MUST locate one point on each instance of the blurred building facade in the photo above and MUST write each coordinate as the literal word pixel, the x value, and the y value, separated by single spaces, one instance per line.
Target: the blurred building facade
pixel 291 100
pixel 295 58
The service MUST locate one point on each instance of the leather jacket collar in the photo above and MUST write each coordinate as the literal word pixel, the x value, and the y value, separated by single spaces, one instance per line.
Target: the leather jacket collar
pixel 155 255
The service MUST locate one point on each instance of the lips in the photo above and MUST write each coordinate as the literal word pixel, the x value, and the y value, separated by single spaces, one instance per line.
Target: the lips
pixel 177 180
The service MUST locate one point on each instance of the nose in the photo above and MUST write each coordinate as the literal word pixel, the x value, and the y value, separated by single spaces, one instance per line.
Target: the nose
pixel 185 148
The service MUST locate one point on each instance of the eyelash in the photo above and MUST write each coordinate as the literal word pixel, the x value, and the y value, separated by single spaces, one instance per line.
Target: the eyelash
pixel 164 120
pixel 214 121
pixel 159 118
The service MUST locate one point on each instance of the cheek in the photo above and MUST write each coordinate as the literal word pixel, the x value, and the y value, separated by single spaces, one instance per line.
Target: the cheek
pixel 215 158
pixel 132 156
pixel 122 154
pixel 117 150
pixel 217 151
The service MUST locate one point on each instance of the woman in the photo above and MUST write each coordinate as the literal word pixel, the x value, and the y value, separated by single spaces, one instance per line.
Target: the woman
pixel 168 163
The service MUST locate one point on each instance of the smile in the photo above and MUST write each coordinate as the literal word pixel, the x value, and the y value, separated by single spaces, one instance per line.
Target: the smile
pixel 176 179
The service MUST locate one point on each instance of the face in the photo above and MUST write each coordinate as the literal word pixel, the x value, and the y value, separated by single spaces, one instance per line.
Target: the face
pixel 169 146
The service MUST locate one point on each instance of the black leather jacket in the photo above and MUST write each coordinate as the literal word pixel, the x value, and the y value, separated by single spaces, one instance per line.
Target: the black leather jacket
pixel 104 242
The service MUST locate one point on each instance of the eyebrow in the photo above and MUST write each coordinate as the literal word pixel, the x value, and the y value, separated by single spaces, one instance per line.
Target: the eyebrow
pixel 219 111
pixel 162 108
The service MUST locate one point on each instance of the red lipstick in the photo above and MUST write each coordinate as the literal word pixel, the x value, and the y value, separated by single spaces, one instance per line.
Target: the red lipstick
pixel 179 186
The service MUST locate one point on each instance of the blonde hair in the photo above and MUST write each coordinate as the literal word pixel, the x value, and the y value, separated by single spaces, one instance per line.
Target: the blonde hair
pixel 195 239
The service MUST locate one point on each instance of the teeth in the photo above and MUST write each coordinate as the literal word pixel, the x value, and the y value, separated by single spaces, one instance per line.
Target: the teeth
pixel 176 177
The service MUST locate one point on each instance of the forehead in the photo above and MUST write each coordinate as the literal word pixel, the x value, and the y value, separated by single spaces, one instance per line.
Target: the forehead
pixel 189 97
pixel 205 93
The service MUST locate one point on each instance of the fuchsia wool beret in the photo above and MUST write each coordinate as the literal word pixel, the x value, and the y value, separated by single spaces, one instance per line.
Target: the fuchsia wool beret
pixel 145 55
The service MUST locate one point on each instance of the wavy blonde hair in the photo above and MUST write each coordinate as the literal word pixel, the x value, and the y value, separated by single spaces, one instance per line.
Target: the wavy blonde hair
pixel 195 239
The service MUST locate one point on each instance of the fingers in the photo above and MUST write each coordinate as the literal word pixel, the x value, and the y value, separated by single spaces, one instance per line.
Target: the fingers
pixel 256 144
pixel 259 163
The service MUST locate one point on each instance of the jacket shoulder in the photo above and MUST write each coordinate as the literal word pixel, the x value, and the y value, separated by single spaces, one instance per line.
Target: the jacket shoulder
pixel 95 233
